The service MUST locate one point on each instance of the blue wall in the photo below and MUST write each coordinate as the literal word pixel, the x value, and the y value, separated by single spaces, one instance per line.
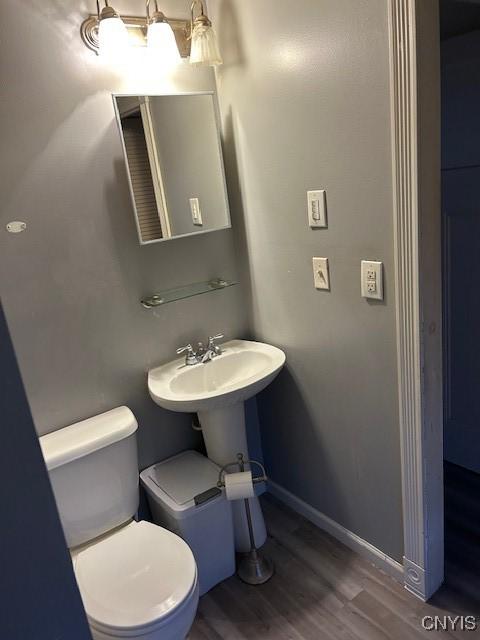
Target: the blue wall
pixel 461 216
pixel 39 595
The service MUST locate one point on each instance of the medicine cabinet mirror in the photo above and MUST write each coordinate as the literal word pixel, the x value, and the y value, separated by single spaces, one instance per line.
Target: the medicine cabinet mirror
pixel 174 164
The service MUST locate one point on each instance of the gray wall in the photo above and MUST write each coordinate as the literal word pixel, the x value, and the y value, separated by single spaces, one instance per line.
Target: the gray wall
pixel 37 576
pixel 71 283
pixel 305 100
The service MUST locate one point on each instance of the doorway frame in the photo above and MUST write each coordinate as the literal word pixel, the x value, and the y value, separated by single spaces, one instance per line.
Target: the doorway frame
pixel 415 120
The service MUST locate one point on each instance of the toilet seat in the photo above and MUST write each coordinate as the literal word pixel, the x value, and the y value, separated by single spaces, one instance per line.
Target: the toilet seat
pixel 136 579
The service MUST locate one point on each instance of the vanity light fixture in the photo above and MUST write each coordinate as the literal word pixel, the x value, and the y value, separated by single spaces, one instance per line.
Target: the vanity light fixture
pixel 204 47
pixel 112 32
pixel 172 39
pixel 160 37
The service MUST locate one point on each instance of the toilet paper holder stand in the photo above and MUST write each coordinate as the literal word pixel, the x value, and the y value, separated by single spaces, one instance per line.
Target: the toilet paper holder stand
pixel 252 567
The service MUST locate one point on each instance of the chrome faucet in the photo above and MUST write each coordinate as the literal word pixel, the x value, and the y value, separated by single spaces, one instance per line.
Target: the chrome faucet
pixel 201 354
pixel 190 356
pixel 212 349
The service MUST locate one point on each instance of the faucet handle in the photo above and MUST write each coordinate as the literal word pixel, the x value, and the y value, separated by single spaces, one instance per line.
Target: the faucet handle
pixel 212 345
pixel 191 356
pixel 188 347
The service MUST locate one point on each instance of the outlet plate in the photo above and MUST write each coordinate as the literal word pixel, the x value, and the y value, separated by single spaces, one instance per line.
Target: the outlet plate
pixel 321 276
pixel 372 279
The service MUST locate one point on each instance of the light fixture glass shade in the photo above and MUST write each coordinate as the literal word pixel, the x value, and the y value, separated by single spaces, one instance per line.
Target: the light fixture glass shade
pixel 161 41
pixel 204 49
pixel 113 37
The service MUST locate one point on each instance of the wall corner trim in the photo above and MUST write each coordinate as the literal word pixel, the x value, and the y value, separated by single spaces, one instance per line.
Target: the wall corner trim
pixel 423 561
pixel 347 537
pixel 414 578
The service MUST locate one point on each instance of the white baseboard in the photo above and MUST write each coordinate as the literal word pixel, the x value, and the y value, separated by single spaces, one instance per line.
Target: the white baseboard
pixel 349 539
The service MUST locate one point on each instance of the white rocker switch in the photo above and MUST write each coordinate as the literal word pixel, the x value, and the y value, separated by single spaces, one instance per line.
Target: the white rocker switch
pixel 317 208
pixel 196 212
pixel 372 279
pixel 321 276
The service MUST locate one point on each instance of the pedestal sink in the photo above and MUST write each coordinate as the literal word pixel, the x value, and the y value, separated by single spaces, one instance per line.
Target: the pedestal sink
pixel 216 391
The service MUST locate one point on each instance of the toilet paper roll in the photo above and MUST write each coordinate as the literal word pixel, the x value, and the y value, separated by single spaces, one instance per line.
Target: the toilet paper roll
pixel 239 485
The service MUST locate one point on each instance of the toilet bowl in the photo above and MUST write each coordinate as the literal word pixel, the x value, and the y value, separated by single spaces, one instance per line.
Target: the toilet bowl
pixel 138 582
pixel 136 579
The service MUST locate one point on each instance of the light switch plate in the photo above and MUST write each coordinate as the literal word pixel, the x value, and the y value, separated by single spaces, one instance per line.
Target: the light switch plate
pixel 196 212
pixel 372 279
pixel 321 276
pixel 317 208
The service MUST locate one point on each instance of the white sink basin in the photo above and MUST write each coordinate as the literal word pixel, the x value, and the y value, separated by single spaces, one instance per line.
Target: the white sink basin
pixel 242 370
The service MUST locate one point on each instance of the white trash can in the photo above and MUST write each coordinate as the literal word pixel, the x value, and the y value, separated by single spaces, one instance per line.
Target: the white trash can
pixel 183 497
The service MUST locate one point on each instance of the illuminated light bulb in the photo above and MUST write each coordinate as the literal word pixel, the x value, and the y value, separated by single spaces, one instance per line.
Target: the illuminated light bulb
pixel 113 36
pixel 161 42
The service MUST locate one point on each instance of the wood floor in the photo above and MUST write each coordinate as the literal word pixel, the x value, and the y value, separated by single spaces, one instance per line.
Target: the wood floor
pixel 322 590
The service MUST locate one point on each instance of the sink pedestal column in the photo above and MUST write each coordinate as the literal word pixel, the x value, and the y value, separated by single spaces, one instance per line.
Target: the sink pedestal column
pixel 225 435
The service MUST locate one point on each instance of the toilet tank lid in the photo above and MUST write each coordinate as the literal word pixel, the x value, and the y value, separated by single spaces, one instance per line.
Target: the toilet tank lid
pixel 79 439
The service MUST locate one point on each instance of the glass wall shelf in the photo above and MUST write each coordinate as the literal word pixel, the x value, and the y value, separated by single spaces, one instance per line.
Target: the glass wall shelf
pixel 188 291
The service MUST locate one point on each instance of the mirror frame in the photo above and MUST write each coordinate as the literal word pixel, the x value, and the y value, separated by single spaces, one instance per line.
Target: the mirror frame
pixel 216 111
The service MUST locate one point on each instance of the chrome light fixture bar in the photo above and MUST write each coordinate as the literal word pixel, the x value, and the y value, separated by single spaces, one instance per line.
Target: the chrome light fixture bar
pixel 137 27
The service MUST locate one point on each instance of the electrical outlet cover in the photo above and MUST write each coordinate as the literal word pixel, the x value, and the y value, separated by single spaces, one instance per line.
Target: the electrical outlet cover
pixel 372 279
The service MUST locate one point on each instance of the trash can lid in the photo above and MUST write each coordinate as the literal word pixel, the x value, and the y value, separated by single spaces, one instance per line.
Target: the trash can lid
pixel 182 477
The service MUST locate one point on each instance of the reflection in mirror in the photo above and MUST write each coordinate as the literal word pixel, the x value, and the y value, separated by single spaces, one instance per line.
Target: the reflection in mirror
pixel 174 164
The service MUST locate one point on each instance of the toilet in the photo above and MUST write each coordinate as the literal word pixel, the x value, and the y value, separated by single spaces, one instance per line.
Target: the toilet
pixel 136 579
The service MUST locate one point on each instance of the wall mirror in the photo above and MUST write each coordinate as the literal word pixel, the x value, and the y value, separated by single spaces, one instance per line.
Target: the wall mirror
pixel 174 164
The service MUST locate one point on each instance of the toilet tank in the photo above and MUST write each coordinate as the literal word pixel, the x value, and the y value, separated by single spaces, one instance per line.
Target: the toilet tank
pixel 94 473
